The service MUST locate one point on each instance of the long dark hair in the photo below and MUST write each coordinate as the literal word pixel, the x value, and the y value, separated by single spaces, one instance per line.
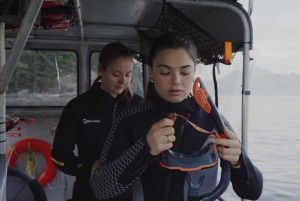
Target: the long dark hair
pixel 170 40
pixel 109 53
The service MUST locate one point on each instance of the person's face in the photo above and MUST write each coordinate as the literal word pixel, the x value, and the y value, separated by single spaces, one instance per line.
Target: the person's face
pixel 172 73
pixel 117 75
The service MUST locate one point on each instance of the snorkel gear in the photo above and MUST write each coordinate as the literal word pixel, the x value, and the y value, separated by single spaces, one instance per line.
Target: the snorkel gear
pixel 204 158
pixel 225 165
pixel 203 99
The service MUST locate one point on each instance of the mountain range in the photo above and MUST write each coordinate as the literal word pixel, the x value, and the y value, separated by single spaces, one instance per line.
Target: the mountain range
pixel 262 83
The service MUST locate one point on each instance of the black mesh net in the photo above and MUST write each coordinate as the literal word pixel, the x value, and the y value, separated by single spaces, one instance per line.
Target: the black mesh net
pixel 209 49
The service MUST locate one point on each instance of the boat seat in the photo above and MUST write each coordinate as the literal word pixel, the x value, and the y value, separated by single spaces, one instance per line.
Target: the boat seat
pixel 21 186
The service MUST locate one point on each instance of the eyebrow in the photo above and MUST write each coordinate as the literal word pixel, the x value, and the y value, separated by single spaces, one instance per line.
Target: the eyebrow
pixel 169 67
pixel 121 71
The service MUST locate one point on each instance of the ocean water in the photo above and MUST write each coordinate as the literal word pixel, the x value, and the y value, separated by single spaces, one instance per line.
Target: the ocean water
pixel 274 143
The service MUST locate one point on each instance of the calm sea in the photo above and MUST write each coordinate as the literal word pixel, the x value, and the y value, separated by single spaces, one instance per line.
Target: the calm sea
pixel 274 143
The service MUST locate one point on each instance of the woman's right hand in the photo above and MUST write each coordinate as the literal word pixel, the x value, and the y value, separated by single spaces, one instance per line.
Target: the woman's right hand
pixel 94 166
pixel 160 137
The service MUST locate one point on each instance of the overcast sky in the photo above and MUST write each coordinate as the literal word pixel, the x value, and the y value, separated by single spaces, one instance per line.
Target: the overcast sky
pixel 276 34
pixel 276 38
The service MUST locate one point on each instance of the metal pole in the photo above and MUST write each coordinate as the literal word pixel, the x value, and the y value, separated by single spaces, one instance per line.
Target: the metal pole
pixel 6 70
pixel 19 43
pixel 2 95
pixel 3 159
pixel 250 7
pixel 83 79
pixel 77 5
pixel 245 97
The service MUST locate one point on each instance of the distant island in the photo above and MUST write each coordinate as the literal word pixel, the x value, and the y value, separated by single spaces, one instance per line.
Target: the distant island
pixel 262 83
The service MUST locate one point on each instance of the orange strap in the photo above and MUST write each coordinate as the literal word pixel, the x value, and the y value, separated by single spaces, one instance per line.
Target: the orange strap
pixel 174 115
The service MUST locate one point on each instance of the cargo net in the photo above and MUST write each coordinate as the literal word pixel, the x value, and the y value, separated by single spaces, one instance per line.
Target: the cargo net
pixel 209 49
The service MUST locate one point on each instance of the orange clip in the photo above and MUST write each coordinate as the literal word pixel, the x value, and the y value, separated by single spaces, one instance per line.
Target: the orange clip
pixel 227 54
pixel 200 96
pixel 172 116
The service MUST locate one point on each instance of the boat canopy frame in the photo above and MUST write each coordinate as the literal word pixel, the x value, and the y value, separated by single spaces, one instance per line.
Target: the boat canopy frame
pixel 99 22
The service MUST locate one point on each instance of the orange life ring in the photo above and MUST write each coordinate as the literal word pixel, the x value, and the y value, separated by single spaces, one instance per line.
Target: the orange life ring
pixel 39 146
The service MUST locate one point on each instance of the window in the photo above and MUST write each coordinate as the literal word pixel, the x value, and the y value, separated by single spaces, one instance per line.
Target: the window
pixel 43 78
pixel 137 75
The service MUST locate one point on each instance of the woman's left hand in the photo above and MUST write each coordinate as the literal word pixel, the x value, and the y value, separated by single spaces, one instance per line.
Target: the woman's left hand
pixel 231 149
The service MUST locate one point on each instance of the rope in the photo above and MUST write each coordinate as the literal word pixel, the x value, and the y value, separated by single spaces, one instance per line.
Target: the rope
pixel 14 150
pixel 53 188
pixel 31 159
pixel 31 162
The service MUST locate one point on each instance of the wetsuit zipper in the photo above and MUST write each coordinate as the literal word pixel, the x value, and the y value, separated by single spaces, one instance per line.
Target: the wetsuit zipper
pixel 114 113
pixel 170 174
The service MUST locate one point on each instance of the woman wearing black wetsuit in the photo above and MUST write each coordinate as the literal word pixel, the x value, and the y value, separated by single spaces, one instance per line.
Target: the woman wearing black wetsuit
pixel 139 135
pixel 86 119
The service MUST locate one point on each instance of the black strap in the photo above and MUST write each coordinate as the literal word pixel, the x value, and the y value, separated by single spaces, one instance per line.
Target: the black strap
pixel 215 85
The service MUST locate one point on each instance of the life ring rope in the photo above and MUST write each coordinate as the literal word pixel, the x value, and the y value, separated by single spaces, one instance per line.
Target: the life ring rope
pixel 57 185
pixel 39 146
pixel 31 162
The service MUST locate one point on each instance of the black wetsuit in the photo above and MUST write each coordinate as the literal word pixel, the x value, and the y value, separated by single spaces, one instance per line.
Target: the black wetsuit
pixel 85 121
pixel 127 156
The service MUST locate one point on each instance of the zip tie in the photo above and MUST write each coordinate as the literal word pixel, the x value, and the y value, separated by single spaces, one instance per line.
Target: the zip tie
pixel 247 93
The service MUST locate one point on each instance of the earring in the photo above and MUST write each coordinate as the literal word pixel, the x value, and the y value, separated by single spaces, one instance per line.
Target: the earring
pixel 151 80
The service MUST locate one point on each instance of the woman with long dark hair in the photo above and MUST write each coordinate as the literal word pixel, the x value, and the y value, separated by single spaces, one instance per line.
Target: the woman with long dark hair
pixel 139 136
pixel 86 119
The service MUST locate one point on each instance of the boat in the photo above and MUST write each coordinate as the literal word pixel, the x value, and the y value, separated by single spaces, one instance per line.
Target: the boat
pixel 55 44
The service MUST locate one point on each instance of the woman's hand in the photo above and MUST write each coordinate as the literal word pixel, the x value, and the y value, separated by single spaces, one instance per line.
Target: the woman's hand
pixel 11 122
pixel 8 118
pixel 160 137
pixel 231 149
pixel 94 166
